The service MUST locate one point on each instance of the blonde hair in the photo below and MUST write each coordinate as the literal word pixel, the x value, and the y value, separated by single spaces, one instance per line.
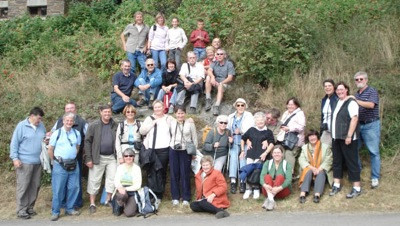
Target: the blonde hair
pixel 129 107
pixel 160 15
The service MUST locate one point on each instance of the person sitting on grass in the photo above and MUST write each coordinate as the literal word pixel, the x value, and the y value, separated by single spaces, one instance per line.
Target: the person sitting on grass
pixel 275 178
pixel 211 190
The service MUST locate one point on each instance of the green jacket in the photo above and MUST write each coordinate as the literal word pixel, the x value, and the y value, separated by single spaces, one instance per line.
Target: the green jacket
pixel 273 172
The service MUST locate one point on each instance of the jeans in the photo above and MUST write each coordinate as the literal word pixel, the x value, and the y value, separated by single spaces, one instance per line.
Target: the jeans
pixel 161 94
pixel 175 54
pixel 136 56
pixel 61 179
pixel 200 53
pixel 119 104
pixel 234 162
pixel 162 56
pixel 149 91
pixel 370 134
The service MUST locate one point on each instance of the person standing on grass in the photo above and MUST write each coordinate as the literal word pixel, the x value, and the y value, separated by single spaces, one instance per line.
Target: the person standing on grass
pixel 134 42
pixel 100 155
pixel 25 149
pixel 176 41
pixel 64 147
pixel 370 125
pixel 199 38
pixel 328 105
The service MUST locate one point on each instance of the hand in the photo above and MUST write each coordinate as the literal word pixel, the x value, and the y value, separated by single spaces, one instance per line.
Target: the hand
pixel 263 156
pixel 125 99
pixel 230 139
pixel 17 163
pixel 212 81
pixel 216 144
pixel 124 47
pixel 248 143
pixel 121 160
pixel 142 87
pixel 122 190
pixel 237 131
pixel 241 156
pixel 285 128
pixel 347 141
pixel 210 198
pixel 267 187
pixel 188 85
pixel 89 164
pixel 275 190
pixel 264 144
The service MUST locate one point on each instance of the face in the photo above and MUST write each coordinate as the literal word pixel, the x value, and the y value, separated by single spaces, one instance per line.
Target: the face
pixel 271 121
pixel 70 108
pixel 128 158
pixel 68 122
pixel 139 19
pixel 106 115
pixel 158 109
pixel 160 20
pixel 171 66
pixel 216 43
pixel 260 122
pixel 130 114
pixel 341 91
pixel 200 25
pixel 277 155
pixel 35 119
pixel 192 59
pixel 220 56
pixel 313 139
pixel 125 68
pixel 175 22
pixel 210 55
pixel 329 88
pixel 222 124
pixel 180 115
pixel 360 81
pixel 206 166
pixel 150 65
pixel 240 107
pixel 291 106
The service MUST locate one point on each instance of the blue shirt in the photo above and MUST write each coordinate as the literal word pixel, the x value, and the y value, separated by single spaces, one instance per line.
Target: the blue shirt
pixel 369 95
pixel 154 79
pixel 26 142
pixel 65 146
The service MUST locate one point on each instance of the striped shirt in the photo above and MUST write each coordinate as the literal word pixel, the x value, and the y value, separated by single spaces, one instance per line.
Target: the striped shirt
pixel 369 95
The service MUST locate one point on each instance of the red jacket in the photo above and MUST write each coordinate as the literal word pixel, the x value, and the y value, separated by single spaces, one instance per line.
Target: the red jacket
pixel 197 43
pixel 214 182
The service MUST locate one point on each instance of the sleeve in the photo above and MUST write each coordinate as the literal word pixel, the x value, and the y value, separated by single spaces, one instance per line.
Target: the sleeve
pixel 353 109
pixel 141 75
pixel 157 80
pixel 146 126
pixel 166 38
pixel 117 178
pixel 270 137
pixel 151 33
pixel 202 74
pixel 303 161
pixel 193 37
pixel 247 123
pixel 374 97
pixel 264 172
pixel 167 44
pixel 85 127
pixel 206 38
pixel 115 80
pixel 78 137
pixel 15 141
pixel 118 142
pixel 231 69
pixel 126 30
pixel 184 39
pixel 184 70
pixel 209 142
pixel 220 184
pixel 246 135
pixel 327 158
pixel 288 176
pixel 88 144
pixel 53 138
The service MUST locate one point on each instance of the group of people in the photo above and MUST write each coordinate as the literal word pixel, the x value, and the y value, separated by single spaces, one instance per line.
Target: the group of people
pixel 262 153
pixel 167 79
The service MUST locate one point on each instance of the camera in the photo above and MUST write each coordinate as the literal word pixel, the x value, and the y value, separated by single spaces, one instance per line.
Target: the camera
pixel 178 146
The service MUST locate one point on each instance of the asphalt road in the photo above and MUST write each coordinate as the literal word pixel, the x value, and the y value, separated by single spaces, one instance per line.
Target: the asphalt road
pixel 268 218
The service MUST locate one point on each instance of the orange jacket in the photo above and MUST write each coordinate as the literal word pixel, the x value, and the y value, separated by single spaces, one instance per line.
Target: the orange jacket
pixel 214 182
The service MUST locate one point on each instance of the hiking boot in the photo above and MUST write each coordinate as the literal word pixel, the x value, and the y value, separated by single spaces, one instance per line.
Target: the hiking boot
pixel 256 194
pixel 73 213
pixel 316 199
pixel 353 193
pixel 302 199
pixel 222 214
pixel 23 215
pixel 54 217
pixel 374 183
pixel 92 209
pixel 192 110
pixel 31 212
pixel 208 105
pixel 142 102
pixel 247 194
pixel 216 110
pixel 242 187
pixel 334 191
pixel 171 109
pixel 271 205
pixel 233 188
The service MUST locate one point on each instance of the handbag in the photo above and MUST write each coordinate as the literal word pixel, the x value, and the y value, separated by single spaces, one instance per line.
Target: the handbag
pixel 290 140
pixel 190 148
pixel 254 177
pixel 67 164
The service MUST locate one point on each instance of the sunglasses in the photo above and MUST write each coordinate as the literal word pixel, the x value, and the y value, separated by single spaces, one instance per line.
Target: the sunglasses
pixel 130 156
pixel 131 112
pixel 358 79
pixel 225 123
pixel 240 105
pixel 220 54
pixel 150 65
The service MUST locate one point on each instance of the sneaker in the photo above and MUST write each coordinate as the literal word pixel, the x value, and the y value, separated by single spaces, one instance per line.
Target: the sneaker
pixel 242 187
pixel 192 110
pixel 256 194
pixel 175 202
pixel 31 212
pixel 334 191
pixel 271 205
pixel 353 193
pixel 171 109
pixel 316 199
pixel 216 110
pixel 23 215
pixel 302 199
pixel 265 204
pixel 247 194
pixel 73 213
pixel 221 214
pixel 374 183
pixel 185 203
pixel 233 188
pixel 92 209
pixel 208 105
pixel 54 217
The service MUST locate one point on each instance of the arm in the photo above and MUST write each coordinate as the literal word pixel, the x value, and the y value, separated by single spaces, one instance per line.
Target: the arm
pixel 288 177
pixel 303 161
pixel 220 187
pixel 88 145
pixel 121 94
pixel 50 150
pixel 118 146
pixel 184 39
pixel 227 80
pixel 206 38
pixel 193 37
pixel 352 128
pixel 14 146
pixel 209 142
pixel 157 80
pixel 123 41
pixel 117 179
pixel 366 104
pixel 297 123
pixel 147 125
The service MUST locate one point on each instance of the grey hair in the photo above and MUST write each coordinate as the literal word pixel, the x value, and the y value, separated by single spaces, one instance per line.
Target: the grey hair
pixel 275 113
pixel 69 114
pixel 125 61
pixel 190 53
pixel 260 115
pixel 221 118
pixel 223 51
pixel 362 73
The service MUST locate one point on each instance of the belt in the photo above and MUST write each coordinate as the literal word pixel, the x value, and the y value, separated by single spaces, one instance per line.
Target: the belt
pixel 369 121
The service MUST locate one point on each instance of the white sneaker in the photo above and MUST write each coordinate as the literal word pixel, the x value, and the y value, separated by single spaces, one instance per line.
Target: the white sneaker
pixel 171 109
pixel 256 194
pixel 175 202
pixel 185 203
pixel 247 194
pixel 374 183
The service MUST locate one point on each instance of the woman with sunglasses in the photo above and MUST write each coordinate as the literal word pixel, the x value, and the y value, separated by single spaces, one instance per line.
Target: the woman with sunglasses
pixel 128 179
pixel 128 135
pixel 218 141
pixel 238 123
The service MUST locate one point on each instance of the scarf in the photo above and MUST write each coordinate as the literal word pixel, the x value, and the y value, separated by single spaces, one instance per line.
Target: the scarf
pixel 314 161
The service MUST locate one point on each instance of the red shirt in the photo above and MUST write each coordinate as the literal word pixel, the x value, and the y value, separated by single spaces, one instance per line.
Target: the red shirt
pixel 197 43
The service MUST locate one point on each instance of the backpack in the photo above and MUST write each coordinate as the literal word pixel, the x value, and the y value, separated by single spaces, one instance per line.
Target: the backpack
pixel 137 144
pixel 205 132
pixel 147 202
pixel 284 166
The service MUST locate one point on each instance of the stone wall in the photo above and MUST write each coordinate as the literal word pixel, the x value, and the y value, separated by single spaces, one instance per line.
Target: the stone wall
pixel 16 8
pixel 20 7
pixel 55 7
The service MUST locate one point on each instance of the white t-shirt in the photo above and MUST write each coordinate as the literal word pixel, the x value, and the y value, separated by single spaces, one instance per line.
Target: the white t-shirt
pixel 327 113
pixel 352 108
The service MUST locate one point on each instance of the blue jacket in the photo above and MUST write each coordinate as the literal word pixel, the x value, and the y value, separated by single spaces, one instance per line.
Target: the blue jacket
pixel 26 143
pixel 333 102
pixel 154 79
pixel 248 169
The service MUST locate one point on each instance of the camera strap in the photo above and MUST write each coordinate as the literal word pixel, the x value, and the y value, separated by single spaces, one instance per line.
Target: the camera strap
pixel 181 130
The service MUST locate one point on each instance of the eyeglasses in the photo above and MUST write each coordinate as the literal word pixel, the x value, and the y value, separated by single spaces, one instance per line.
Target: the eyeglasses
pixel 240 105
pixel 358 79
pixel 220 54
pixel 130 112
pixel 225 123
pixel 150 65
pixel 130 156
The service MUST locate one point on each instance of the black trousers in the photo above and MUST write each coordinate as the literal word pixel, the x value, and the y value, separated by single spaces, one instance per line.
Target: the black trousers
pixel 163 156
pixel 204 206
pixel 347 154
